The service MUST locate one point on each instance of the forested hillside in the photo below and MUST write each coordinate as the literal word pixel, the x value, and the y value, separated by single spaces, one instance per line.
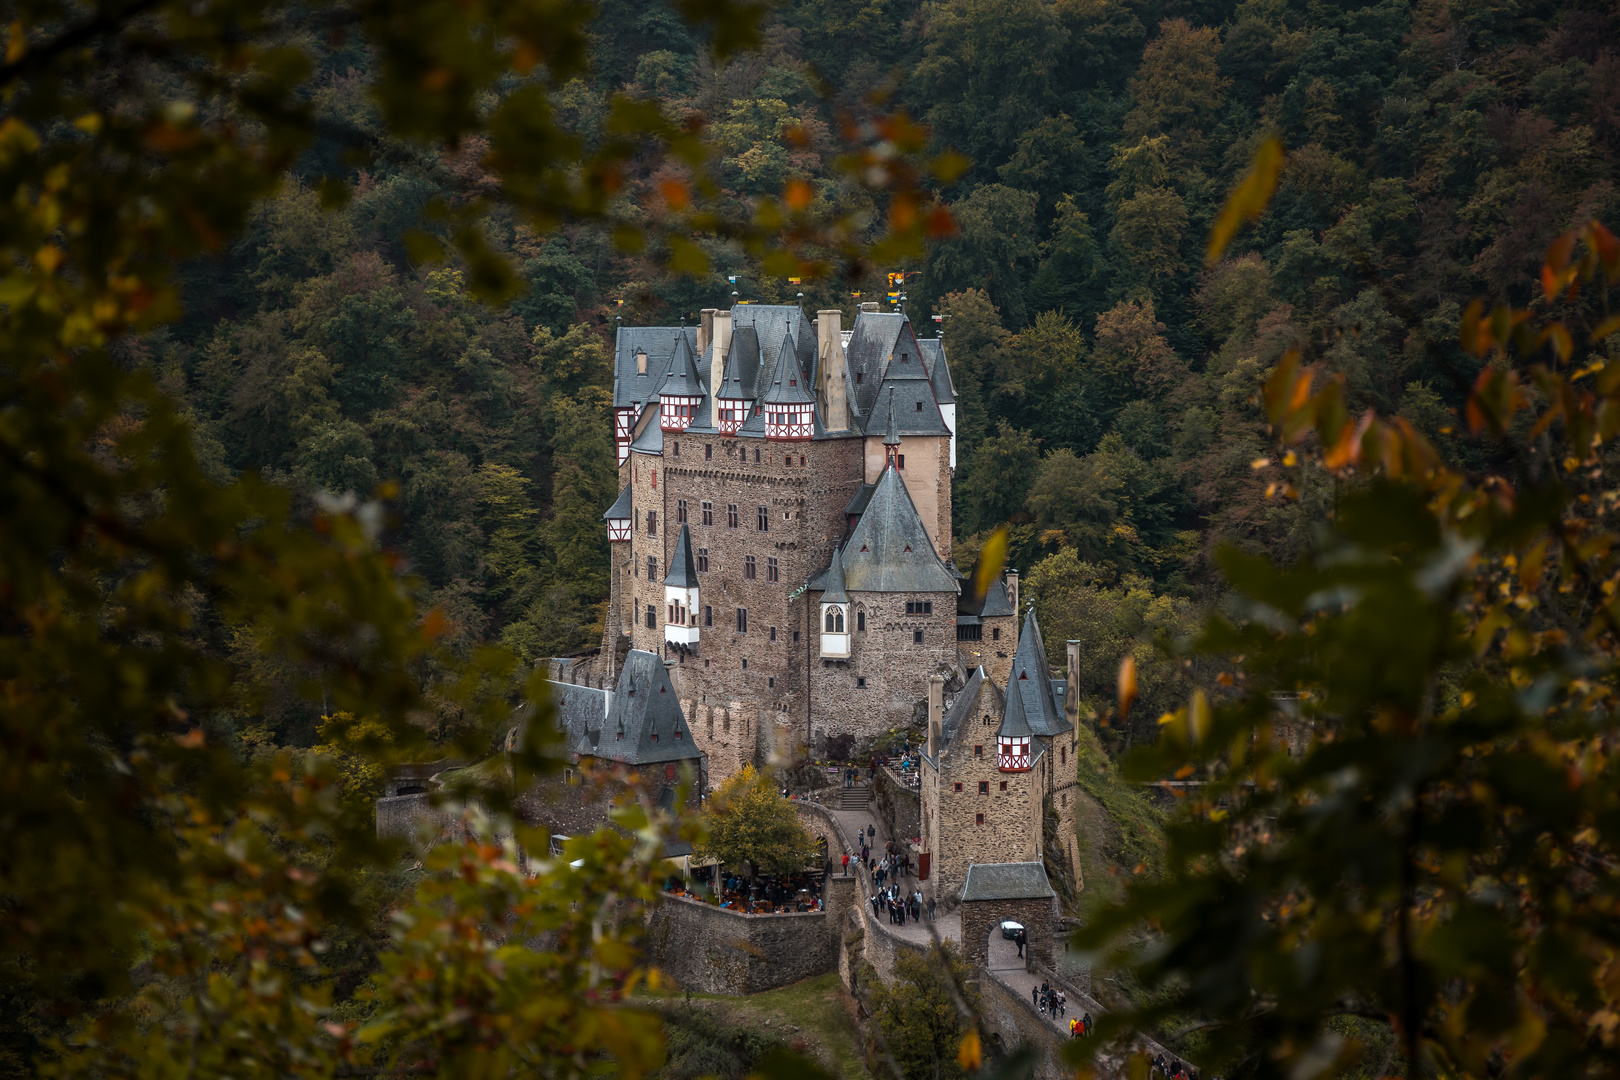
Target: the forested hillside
pixel 1107 380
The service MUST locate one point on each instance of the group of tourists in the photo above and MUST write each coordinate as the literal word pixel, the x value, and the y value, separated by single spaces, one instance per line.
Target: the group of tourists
pixel 901 908
pixel 1080 1025
pixel 1173 1069
pixel 1051 1002
pixel 783 895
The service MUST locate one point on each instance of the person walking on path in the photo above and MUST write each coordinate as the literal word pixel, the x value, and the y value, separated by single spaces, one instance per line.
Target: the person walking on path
pixel 1035 996
pixel 930 909
pixel 1021 938
pixel 1063 1003
pixel 1085 1022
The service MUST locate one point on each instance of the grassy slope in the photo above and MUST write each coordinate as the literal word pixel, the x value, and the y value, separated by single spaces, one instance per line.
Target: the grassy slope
pixel 817 1012
pixel 1119 825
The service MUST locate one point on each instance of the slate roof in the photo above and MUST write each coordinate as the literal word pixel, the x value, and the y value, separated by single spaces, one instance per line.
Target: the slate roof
pixel 620 510
pixel 578 708
pixel 867 354
pixel 651 438
pixel 680 375
pixel 646 710
pixel 775 323
pixel 979 696
pixel 1015 721
pixel 831 581
pixel 863 495
pixel 682 571
pixel 1007 881
pixel 939 369
pixel 742 366
pixel 629 387
pixel 1032 683
pixel 996 600
pixel 890 551
pixel 787 385
pixel 915 410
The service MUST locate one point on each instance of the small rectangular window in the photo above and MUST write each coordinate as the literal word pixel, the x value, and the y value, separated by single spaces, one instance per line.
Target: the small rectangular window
pixel 680 511
pixel 745 663
pixel 708 620
pixel 978 751
pixel 652 618
pixel 978 819
pixel 984 787
pixel 669 771
pixel 959 785
pixel 773 570
pixel 1004 785
pixel 773 633
pixel 708 513
pixel 860 621
pixel 995 633
pixel 652 523
pixel 860 682
pixel 742 625
pixel 901 458
pixel 756 451
pixel 703 560
pixel 652 568
pixel 1063 755
pixel 748 567
pixel 795 637
pixel 771 682
pixel 916 637
pixel 677 449
pixel 731 515
pixel 919 406
pixel 763 523
pixel 708 451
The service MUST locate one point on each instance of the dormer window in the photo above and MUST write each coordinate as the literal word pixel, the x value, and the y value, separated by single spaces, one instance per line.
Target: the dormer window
pixel 1012 754
pixel 641 362
pixel 859 376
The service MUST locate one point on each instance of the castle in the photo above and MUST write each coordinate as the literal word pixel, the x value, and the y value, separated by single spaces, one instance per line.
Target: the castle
pixel 782 541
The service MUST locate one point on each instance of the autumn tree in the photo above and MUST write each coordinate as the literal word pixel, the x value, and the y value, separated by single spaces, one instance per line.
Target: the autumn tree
pixel 749 824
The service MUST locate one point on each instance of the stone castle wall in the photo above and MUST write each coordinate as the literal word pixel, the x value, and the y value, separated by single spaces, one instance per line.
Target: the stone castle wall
pixel 720 951
pixel 1011 830
pixel 895 669
pixel 980 918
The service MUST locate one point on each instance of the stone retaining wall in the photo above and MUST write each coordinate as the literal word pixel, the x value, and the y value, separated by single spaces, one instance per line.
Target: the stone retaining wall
pixel 1011 1023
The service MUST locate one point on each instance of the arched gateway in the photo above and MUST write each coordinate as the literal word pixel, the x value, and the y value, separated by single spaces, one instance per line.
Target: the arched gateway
pixel 997 892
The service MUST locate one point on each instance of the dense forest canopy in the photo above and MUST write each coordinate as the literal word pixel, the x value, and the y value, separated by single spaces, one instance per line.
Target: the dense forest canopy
pixel 1106 376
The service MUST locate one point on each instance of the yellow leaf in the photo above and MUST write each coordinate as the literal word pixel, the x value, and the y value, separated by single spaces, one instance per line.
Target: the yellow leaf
pixel 992 557
pixel 1606 327
pixel 1249 201
pixel 1127 685
pixel 970 1055
pixel 1199 716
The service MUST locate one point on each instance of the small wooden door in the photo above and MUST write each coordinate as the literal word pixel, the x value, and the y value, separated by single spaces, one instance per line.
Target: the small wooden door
pixel 922 866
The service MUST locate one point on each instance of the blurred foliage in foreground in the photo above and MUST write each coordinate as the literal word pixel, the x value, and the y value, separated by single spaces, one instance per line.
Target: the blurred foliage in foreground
pixel 1431 887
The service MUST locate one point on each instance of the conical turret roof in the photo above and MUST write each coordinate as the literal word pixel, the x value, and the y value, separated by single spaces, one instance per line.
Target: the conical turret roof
pixel 682 572
pixel 831 580
pixel 1031 682
pixel 787 382
pixel 681 377
pixel 891 434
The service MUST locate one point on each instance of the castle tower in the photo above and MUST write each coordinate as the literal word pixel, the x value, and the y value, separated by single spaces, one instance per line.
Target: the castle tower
pixel 682 390
pixel 789 404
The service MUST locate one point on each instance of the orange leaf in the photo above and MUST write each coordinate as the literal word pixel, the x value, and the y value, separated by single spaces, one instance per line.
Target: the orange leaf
pixel 675 193
pixel 1127 685
pixel 1607 248
pixel 1249 200
pixel 1559 250
pixel 434 625
pixel 798 194
pixel 902 213
pixel 941 224
pixel 970 1055
pixel 1606 327
pixel 191 740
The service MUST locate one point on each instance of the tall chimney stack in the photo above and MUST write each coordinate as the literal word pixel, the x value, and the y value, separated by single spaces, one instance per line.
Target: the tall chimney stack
pixel 936 713
pixel 1012 593
pixel 1071 696
pixel 834 399
pixel 705 330
pixel 721 329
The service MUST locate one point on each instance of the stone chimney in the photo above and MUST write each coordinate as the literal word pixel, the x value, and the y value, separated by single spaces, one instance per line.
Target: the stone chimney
pixel 834 401
pixel 870 305
pixel 936 713
pixel 1012 593
pixel 705 329
pixel 1071 696
pixel 720 320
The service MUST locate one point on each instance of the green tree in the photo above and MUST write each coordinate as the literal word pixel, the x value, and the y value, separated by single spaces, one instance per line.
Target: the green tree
pixel 748 823
pixel 996 479
pixel 996 250
pixel 977 342
pixel 1178 89
pixel 917 1013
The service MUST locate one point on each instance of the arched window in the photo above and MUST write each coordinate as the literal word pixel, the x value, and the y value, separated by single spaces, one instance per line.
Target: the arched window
pixel 860 621
pixel 835 620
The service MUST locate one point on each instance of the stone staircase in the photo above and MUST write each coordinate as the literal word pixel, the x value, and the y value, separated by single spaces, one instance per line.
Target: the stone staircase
pixel 854 798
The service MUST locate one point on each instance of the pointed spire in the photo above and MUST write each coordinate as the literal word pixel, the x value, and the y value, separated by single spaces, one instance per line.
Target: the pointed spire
pixel 682 571
pixel 788 383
